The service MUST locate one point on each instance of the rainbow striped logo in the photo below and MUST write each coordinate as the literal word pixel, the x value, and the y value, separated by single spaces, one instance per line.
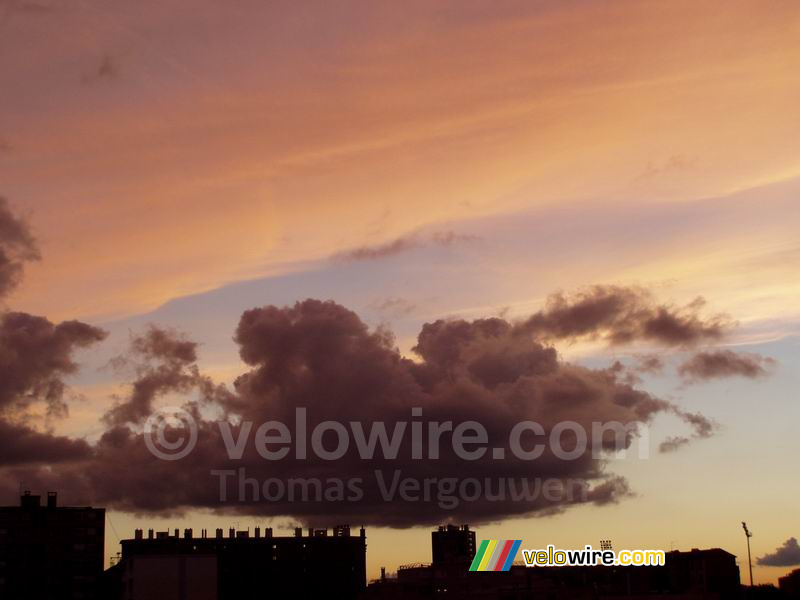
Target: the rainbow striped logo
pixel 495 555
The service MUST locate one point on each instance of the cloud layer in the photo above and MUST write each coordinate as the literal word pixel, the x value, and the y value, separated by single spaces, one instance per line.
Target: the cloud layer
pixel 321 357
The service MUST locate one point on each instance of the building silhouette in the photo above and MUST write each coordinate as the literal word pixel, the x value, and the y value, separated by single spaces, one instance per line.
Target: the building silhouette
pixel 790 585
pixel 453 544
pixel 239 565
pixel 695 575
pixel 50 552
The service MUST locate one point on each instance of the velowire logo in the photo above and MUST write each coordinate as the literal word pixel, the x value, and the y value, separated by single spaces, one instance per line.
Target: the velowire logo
pixel 495 555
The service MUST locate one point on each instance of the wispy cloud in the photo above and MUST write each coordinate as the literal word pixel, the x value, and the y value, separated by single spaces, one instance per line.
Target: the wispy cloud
pixel 404 244
pixel 673 164
pixel 725 363
pixel 394 307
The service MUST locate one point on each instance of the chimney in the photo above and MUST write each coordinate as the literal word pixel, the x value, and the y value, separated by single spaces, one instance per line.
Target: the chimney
pixel 150 534
pixel 52 499
pixel 257 532
pixel 383 573
pixel 138 534
pixel 269 532
pixel 219 533
pixel 298 532
pixel 187 533
pixel 231 533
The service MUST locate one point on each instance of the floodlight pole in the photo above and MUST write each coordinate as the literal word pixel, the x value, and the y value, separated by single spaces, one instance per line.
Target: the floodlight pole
pixel 748 534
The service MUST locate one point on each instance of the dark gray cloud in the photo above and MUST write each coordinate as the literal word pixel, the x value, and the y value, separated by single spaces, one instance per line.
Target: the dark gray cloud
pixel 714 364
pixel 622 315
pixel 35 356
pixel 165 363
pixel 673 443
pixel 380 251
pixel 17 247
pixel 642 364
pixel 20 444
pixel 787 555
pixel 703 428
pixel 322 357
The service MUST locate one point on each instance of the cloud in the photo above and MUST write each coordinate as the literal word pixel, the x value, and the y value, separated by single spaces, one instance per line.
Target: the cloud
pixel 725 363
pixel 397 246
pixel 673 443
pixel 673 164
pixel 322 357
pixel 164 364
pixel 448 238
pixel 20 444
pixel 787 555
pixel 394 307
pixel 703 428
pixel 35 356
pixel 404 244
pixel 630 373
pixel 17 247
pixel 649 363
pixel 622 315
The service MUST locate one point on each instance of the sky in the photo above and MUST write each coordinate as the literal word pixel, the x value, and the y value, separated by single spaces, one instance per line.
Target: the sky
pixel 168 168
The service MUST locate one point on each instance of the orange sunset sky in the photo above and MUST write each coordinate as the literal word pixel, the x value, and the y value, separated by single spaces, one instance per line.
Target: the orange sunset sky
pixel 179 163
